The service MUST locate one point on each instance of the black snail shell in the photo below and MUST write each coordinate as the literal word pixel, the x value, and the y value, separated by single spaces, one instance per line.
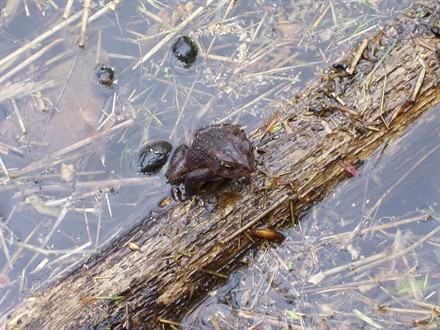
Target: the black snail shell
pixel 185 50
pixel 153 156
pixel 106 76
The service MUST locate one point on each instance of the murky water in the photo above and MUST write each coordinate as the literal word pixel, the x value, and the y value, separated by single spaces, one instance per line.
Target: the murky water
pixel 367 257
pixel 70 148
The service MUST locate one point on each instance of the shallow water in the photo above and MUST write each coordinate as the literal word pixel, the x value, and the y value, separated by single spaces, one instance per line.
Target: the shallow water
pixel 73 178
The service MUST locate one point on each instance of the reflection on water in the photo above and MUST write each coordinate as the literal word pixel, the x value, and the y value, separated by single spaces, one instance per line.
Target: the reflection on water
pixel 368 256
pixel 70 149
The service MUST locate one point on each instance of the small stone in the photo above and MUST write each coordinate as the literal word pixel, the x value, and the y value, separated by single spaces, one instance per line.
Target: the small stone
pixel 185 50
pixel 106 76
pixel 153 156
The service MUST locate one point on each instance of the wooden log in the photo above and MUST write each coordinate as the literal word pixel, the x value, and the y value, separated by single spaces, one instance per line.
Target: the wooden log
pixel 300 159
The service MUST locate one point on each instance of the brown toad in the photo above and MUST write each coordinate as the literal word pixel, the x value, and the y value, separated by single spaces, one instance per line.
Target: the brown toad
pixel 217 152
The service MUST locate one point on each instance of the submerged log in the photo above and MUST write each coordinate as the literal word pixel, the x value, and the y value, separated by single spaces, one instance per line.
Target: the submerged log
pixel 303 153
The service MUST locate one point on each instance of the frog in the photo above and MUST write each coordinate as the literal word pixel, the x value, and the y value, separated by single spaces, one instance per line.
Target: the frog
pixel 217 152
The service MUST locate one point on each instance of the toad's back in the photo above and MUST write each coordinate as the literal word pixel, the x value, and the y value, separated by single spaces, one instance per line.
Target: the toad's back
pixel 224 149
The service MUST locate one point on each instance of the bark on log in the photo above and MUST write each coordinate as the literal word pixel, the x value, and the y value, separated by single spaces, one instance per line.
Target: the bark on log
pixel 301 163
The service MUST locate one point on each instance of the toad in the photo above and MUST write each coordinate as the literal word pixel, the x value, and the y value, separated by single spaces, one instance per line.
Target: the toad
pixel 217 152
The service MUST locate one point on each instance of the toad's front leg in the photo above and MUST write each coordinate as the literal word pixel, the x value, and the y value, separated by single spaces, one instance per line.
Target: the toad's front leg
pixel 195 179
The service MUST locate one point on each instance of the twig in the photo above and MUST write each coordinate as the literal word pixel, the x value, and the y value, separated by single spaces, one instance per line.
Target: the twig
pixel 334 16
pixel 399 223
pixel 150 14
pixel 19 89
pixel 406 311
pixel 317 278
pixel 358 56
pixel 69 253
pixel 18 115
pixel 78 250
pixel 286 68
pixel 29 60
pixel 108 205
pixel 98 49
pixel 54 5
pixel 421 43
pixel 188 95
pixel 4 246
pixel 350 285
pixel 9 60
pixel 250 103
pixel 3 168
pixel 211 272
pixel 8 147
pixel 38 5
pixel 54 158
pixel 354 113
pixel 256 219
pixel 69 75
pixel 169 322
pixel 67 9
pixel 111 6
pixel 324 12
pixel 272 123
pixel 338 99
pixel 357 34
pixel 213 40
pixel 10 8
pixel 418 84
pixel 17 254
pixel 40 103
pixel 401 253
pixel 405 105
pixel 219 58
pixel 382 102
pixel 98 230
pixel 85 18
pixel 124 182
pixel 110 116
pixel 47 237
pixel 366 81
pixel 214 322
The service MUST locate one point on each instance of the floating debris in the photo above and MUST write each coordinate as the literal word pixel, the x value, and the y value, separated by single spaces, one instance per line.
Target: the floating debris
pixel 265 233
pixel 350 168
pixel 165 202
pixel 134 247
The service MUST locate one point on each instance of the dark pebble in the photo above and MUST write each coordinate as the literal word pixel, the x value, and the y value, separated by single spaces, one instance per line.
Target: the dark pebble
pixel 106 76
pixel 153 157
pixel 185 50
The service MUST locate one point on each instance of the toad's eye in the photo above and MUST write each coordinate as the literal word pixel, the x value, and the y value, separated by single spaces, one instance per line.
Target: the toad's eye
pixel 228 166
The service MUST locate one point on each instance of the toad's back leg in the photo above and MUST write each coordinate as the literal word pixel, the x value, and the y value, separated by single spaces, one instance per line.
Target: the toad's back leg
pixel 195 179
